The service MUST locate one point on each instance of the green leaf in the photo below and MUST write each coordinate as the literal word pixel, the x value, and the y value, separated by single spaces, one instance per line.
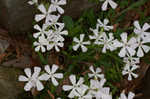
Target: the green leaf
pixel 68 22
pixel 89 14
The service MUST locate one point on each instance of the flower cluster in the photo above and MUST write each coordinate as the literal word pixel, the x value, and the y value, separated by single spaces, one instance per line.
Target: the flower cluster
pixel 78 89
pixel 50 34
pixel 95 89
pixel 34 80
pixel 131 48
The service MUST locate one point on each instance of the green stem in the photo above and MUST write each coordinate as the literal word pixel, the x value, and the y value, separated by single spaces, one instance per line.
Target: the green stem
pixel 42 59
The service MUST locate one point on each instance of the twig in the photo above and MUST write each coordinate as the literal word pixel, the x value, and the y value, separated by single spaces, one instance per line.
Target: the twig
pixel 50 94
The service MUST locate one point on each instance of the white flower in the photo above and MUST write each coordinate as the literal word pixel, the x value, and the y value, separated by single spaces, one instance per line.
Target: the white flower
pixel 95 74
pixel 130 60
pixel 42 42
pixel 107 42
pixel 75 86
pixel 55 5
pixel 80 43
pixel 33 80
pixel 128 70
pixel 45 14
pixel 56 35
pixel 97 35
pixel 82 94
pixel 142 47
pixel 141 32
pixel 130 95
pixel 33 2
pixel 104 24
pixel 52 75
pixel 42 31
pixel 128 47
pixel 110 2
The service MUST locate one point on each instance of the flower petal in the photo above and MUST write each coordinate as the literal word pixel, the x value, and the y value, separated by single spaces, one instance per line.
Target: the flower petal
pixel 60 10
pixel 54 81
pixel 75 47
pixel 131 95
pixel 82 37
pixel 39 85
pixel 44 76
pixel 146 48
pixel 67 87
pixel 47 69
pixel 27 72
pixel 39 17
pixel 36 72
pixel 84 49
pixel 112 4
pixel 81 80
pixel 146 26
pixel 58 75
pixel 28 86
pixel 122 53
pixel 137 25
pixel 92 69
pixel 129 77
pixel 42 8
pixel 22 78
pixel 140 52
pixel 124 37
pixel 72 79
pixel 54 68
pixel 104 6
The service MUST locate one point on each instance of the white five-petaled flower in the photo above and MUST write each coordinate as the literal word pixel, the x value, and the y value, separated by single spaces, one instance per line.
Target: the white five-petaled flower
pixel 95 74
pixel 55 5
pixel 55 37
pixel 97 35
pixel 128 47
pixel 130 95
pixel 80 43
pixel 107 42
pixel 75 86
pixel 110 2
pixel 142 47
pixel 141 32
pixel 104 24
pixel 45 14
pixel 40 45
pixel 42 31
pixel 129 70
pixel 52 75
pixel 33 2
pixel 33 79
